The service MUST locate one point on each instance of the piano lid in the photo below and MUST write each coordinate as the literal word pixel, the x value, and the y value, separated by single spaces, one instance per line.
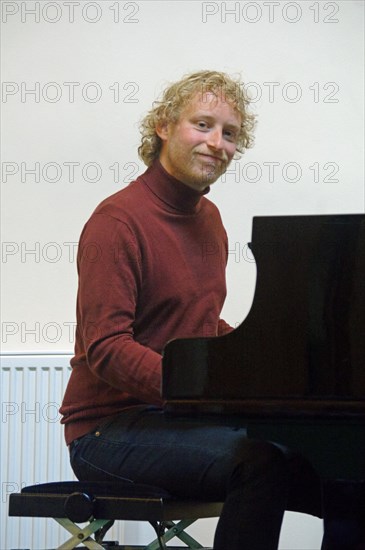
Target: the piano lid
pixel 304 337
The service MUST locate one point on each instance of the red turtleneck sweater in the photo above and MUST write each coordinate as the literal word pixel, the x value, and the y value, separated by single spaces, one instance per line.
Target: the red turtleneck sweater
pixel 151 264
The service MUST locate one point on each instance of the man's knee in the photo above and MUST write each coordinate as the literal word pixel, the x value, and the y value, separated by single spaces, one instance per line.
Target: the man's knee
pixel 261 460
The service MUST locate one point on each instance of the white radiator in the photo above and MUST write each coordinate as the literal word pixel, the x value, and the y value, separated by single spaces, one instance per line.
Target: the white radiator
pixel 33 448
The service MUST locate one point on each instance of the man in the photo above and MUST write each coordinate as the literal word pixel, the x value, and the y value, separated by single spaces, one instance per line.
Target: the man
pixel 143 281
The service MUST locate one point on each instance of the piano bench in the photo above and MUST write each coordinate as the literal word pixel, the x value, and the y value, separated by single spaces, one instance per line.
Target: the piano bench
pixel 100 503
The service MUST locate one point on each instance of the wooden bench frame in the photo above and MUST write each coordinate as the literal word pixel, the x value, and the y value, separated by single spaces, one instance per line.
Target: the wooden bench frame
pixel 100 504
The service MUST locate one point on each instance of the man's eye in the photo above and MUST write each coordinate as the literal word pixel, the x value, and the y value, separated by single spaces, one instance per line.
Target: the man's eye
pixel 202 124
pixel 230 135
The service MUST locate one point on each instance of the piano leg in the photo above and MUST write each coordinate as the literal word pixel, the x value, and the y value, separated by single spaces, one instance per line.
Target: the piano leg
pixel 344 515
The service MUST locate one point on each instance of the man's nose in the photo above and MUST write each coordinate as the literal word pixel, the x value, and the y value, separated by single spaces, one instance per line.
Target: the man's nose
pixel 215 138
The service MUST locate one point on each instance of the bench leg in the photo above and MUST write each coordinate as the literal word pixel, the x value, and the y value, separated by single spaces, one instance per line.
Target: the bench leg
pixel 167 530
pixel 81 534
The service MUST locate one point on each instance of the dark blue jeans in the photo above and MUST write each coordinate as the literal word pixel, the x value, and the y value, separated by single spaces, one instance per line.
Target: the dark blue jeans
pixel 206 460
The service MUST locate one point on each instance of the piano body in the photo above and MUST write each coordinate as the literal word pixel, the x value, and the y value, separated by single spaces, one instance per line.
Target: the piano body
pixel 294 370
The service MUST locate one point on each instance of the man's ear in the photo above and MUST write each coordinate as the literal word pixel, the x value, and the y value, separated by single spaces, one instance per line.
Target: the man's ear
pixel 162 130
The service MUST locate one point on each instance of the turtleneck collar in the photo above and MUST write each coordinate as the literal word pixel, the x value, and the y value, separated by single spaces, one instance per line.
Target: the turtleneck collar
pixel 171 191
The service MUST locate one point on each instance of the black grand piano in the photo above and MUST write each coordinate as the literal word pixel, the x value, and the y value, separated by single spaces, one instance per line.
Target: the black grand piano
pixel 294 370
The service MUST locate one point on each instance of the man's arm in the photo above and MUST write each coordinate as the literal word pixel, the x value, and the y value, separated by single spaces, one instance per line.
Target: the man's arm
pixel 223 327
pixel 110 276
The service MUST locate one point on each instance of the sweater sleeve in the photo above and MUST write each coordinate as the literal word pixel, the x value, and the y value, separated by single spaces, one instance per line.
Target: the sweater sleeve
pixel 110 276
pixel 223 327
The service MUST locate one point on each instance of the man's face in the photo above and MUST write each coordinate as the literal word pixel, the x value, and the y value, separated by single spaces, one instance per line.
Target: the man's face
pixel 198 148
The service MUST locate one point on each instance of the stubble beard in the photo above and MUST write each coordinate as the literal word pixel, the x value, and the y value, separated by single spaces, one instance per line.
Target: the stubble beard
pixel 210 173
pixel 203 178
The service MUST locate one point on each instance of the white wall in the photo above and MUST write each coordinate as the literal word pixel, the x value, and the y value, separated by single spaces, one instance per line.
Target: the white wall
pixel 302 62
pixel 303 65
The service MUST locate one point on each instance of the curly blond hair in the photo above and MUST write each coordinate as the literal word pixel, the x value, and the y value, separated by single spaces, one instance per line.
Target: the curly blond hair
pixel 177 95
